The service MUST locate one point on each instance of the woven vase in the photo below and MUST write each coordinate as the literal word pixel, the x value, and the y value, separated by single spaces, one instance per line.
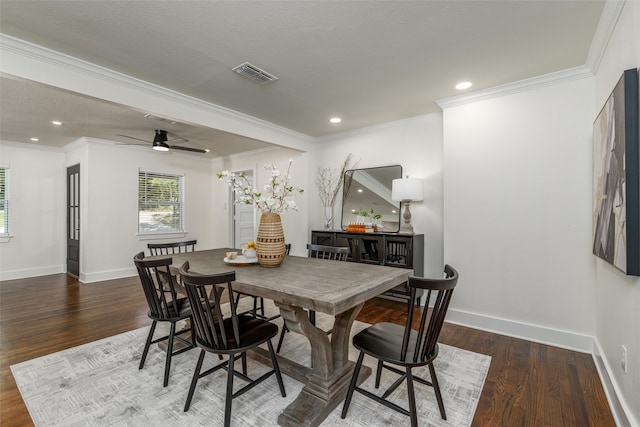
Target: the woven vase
pixel 270 241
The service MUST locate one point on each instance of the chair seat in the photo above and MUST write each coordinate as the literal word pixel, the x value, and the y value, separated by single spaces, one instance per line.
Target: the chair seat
pixel 253 332
pixel 384 341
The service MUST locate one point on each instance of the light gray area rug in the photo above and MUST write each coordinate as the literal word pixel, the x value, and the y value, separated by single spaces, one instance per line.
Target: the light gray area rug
pixel 99 384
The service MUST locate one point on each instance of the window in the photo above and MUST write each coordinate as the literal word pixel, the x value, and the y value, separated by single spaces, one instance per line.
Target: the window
pixel 4 199
pixel 160 203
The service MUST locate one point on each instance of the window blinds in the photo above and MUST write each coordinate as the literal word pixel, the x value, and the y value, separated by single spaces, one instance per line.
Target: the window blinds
pixel 160 202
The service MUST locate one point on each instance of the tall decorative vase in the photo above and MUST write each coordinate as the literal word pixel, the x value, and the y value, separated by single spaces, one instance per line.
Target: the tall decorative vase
pixel 270 241
pixel 328 217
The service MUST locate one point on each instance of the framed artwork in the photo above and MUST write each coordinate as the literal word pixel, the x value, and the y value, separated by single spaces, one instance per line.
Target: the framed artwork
pixel 616 179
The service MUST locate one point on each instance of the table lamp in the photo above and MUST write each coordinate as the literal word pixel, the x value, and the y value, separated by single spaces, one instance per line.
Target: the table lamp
pixel 407 190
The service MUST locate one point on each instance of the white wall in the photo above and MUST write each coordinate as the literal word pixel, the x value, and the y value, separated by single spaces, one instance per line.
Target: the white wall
pixel 416 145
pixel 517 203
pixel 109 204
pixel 36 211
pixel 618 296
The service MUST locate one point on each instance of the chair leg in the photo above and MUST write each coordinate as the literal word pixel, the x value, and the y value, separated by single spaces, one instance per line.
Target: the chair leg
pixel 283 331
pixel 147 344
pixel 194 380
pixel 412 399
pixel 378 373
pixel 229 396
pixel 352 386
pixel 167 363
pixel 244 363
pixel 436 388
pixel 276 368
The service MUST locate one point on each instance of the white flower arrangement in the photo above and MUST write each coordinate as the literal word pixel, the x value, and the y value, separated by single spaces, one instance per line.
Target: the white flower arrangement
pixel 278 195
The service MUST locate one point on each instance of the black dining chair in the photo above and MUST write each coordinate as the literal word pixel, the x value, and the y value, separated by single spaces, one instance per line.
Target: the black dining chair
pixel 406 348
pixel 229 335
pixel 164 306
pixel 172 248
pixel 334 253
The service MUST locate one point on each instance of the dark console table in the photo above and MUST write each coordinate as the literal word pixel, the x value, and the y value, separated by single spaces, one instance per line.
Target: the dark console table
pixel 390 249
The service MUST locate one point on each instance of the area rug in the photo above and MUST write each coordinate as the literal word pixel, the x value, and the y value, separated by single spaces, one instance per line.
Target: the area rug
pixel 99 384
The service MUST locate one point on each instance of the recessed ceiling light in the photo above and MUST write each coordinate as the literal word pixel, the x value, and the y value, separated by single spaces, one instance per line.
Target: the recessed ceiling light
pixel 359 190
pixel 35 139
pixel 56 122
pixel 335 120
pixel 464 85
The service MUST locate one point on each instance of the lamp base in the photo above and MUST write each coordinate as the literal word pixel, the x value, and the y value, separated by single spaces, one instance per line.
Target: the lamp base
pixel 406 227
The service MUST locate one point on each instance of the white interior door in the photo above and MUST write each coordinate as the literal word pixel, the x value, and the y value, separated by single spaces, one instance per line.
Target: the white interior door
pixel 243 219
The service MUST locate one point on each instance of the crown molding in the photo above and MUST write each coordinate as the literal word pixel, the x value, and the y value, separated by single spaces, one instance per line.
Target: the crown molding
pixel 607 24
pixel 570 74
pixel 56 59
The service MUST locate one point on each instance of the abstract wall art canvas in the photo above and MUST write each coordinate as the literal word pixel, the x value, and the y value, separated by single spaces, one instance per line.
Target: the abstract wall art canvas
pixel 616 179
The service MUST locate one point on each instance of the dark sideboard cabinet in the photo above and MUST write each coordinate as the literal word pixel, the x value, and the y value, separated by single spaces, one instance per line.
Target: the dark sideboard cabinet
pixel 390 249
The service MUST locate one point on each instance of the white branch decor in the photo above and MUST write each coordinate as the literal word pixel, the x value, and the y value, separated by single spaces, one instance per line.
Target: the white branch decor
pixel 329 182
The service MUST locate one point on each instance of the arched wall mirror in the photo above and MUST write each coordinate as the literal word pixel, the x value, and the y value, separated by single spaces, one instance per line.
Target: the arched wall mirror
pixel 369 190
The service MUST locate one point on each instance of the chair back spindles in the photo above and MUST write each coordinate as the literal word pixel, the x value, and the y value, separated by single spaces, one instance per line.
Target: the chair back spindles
pixel 334 253
pixel 439 292
pixel 172 248
pixel 204 294
pixel 158 286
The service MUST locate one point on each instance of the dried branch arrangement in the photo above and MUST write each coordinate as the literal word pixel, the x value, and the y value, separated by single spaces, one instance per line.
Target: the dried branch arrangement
pixel 329 181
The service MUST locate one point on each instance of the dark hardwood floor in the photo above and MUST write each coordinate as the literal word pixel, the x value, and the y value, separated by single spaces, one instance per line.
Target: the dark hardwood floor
pixel 528 384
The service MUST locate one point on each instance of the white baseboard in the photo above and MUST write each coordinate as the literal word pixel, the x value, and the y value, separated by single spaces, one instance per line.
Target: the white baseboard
pixel 554 337
pixel 563 339
pixel 31 272
pixel 108 275
pixel 620 410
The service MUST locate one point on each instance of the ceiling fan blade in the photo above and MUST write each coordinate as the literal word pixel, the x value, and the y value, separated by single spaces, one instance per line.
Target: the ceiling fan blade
pixel 195 150
pixel 146 144
pixel 133 137
pixel 177 138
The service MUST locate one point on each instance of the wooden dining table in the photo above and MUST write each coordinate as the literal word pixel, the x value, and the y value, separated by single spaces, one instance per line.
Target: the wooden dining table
pixel 300 284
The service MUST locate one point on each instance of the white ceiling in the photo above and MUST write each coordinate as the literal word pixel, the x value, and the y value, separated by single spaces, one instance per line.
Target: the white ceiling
pixel 368 62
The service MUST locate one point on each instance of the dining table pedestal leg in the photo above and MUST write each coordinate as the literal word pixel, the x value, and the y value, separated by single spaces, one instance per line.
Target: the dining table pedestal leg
pixel 327 381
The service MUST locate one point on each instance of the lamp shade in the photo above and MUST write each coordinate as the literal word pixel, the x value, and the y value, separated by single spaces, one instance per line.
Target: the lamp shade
pixel 407 189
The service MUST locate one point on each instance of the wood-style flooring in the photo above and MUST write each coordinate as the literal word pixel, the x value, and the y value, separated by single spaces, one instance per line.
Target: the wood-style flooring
pixel 528 384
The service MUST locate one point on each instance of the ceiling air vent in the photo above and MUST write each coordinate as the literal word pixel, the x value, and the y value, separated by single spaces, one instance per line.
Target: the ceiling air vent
pixel 254 73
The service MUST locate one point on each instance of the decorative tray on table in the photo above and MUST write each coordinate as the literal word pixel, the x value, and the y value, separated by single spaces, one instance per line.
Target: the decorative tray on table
pixel 241 260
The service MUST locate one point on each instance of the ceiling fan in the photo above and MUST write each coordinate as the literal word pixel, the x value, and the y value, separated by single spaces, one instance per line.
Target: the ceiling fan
pixel 161 142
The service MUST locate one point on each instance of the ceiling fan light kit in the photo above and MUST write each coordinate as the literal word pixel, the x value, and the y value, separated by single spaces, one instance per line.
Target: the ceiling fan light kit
pixel 160 146
pixel 160 141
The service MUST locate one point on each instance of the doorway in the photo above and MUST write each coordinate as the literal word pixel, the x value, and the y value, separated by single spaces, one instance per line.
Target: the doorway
pixel 73 220
pixel 243 217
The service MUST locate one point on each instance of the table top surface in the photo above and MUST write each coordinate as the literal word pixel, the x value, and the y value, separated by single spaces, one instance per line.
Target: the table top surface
pixel 325 286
